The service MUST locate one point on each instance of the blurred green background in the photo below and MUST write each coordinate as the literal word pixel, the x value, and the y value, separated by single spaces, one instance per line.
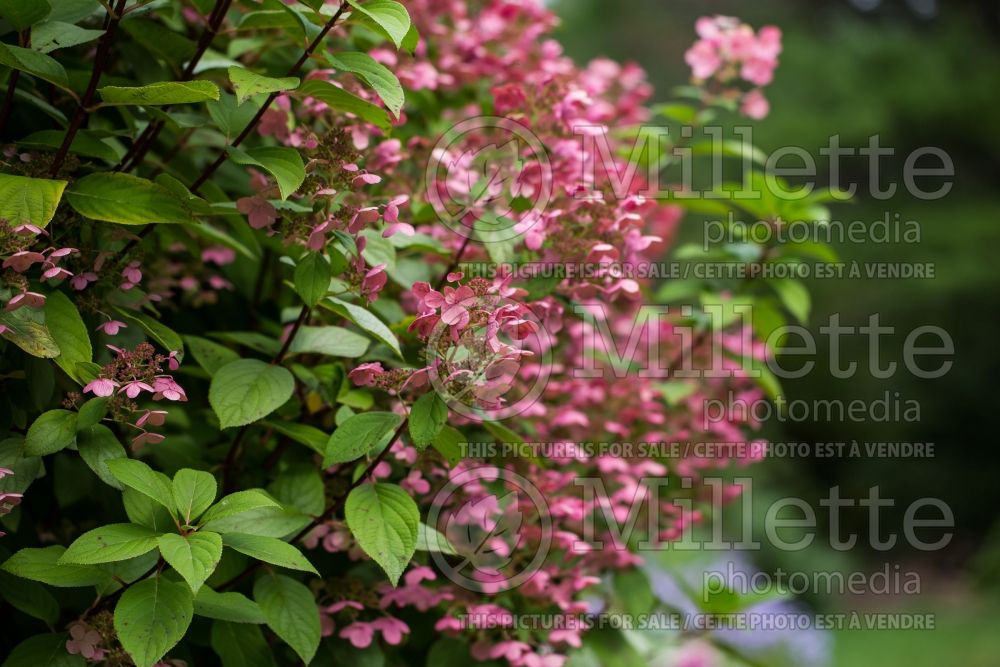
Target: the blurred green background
pixel 917 73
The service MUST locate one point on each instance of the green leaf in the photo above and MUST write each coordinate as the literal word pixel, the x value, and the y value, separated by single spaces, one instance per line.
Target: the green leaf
pixel 291 612
pixel 312 278
pixel 247 390
pixel 795 297
pixel 161 93
pixel 51 432
pixel 25 327
pixel 194 492
pixel 151 617
pixel 155 329
pixel 240 645
pixel 229 116
pixel 237 503
pixel 29 597
pixel 285 164
pixel 234 607
pixel 84 143
pixel 34 63
pixel 195 556
pixel 139 476
pixel 427 417
pixel 278 521
pixel 430 539
pixel 98 445
pixel 331 341
pixel 304 434
pixel 125 199
pixel 69 332
pixel 374 73
pixel 29 200
pixel 270 550
pixel 367 321
pixel 341 100
pixel 449 444
pixel 247 83
pixel 391 17
pixel 107 544
pixel 145 511
pixel 43 651
pixel 22 14
pixel 358 435
pixel 384 520
pixel 210 355
pixel 52 35
pixel 300 486
pixel 43 565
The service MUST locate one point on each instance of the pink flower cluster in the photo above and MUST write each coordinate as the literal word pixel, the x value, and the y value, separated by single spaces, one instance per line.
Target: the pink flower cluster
pixel 728 50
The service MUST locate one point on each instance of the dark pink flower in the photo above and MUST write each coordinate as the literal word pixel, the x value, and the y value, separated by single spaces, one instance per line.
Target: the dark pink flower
pixel 365 374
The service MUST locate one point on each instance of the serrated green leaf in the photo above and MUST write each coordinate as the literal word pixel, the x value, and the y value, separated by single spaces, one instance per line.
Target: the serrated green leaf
pixel 285 164
pixel 390 17
pixel 151 617
pixel 367 321
pixel 34 63
pixel 430 539
pixel 427 417
pixel 161 93
pixel 238 503
pixel 374 73
pixel 29 597
pixel 312 278
pixel 29 200
pixel 384 520
pixel 25 327
pixel 270 550
pixel 43 565
pixel 23 14
pixel 358 435
pixel 84 143
pixel 310 436
pixel 194 492
pixel 291 612
pixel 331 341
pixel 234 607
pixel 448 443
pixel 139 476
pixel 247 390
pixel 43 651
pixel 247 83
pixel 341 100
pixel 195 555
pixel 107 544
pixel 98 445
pixel 125 199
pixel 69 332
pixel 210 355
pixel 52 35
pixel 240 645
pixel 51 432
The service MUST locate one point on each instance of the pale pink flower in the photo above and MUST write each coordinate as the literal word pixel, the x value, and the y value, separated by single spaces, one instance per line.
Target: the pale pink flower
pixel 111 327
pixel 101 387
pixel 359 634
pixel 258 210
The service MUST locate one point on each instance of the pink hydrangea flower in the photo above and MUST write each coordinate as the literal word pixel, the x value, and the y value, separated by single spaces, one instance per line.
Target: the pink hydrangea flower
pixel 258 210
pixel 111 327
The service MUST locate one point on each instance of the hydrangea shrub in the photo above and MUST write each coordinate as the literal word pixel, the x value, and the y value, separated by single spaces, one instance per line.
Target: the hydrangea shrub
pixel 246 343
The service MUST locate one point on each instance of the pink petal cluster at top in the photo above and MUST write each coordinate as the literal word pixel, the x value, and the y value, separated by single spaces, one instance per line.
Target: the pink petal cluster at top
pixel 728 50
